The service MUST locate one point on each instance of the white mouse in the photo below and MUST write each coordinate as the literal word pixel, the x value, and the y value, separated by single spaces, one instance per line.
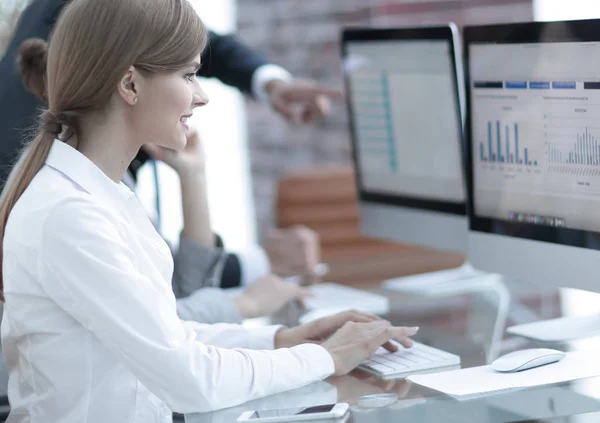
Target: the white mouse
pixel 526 359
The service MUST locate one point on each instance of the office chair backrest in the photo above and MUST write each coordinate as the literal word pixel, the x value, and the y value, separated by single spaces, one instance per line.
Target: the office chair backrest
pixel 325 200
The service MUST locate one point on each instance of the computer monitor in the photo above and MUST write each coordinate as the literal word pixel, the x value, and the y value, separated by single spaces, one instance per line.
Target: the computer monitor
pixel 404 107
pixel 533 151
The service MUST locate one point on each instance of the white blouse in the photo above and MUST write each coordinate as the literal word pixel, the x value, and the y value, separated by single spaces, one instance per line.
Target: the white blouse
pixel 90 331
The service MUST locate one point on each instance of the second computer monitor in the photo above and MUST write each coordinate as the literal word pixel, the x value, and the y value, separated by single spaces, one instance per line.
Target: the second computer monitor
pixel 533 142
pixel 403 92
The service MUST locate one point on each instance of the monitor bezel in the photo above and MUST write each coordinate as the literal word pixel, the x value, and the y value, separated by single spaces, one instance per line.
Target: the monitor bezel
pixel 447 33
pixel 521 33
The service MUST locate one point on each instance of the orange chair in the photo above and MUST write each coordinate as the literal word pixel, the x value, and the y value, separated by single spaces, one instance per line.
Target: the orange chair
pixel 325 200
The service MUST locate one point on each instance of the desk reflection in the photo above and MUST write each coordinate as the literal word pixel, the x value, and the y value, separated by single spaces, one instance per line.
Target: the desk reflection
pixel 318 393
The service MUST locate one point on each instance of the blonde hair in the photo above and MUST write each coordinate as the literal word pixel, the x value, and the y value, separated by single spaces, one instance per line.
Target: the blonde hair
pixel 93 45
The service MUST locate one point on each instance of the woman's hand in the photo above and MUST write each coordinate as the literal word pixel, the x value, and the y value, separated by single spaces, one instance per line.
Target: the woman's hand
pixel 350 337
pixel 355 342
pixel 293 251
pixel 189 160
pixel 268 295
pixel 189 164
pixel 320 330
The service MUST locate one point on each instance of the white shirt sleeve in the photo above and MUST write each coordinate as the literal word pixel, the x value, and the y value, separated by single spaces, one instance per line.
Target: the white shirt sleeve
pixel 254 264
pixel 263 75
pixel 87 267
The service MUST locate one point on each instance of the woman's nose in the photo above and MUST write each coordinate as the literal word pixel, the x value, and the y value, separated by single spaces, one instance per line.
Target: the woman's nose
pixel 200 97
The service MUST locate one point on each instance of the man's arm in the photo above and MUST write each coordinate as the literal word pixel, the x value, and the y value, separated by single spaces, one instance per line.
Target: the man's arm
pixel 231 61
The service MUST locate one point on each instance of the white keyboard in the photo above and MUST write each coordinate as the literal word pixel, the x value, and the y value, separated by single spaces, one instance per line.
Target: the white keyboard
pixel 407 361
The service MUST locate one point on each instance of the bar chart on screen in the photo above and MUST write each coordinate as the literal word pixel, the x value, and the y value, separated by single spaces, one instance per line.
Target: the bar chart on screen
pixel 502 146
pixel 373 121
pixel 572 138
pixel 575 154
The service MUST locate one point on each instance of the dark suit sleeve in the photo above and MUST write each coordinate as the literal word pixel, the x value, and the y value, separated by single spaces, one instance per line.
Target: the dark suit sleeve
pixel 231 61
pixel 231 276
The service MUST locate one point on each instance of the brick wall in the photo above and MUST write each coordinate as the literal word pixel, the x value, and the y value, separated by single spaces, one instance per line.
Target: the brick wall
pixel 302 36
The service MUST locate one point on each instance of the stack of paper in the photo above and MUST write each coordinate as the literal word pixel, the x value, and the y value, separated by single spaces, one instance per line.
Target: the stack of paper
pixel 478 381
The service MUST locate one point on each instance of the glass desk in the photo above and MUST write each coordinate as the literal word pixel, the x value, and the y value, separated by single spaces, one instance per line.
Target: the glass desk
pixel 470 324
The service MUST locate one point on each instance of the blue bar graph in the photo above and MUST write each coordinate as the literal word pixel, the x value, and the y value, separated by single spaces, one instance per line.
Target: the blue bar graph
pixel 490 154
pixel 508 157
pixel 388 114
pixel 517 143
pixel 500 159
pixel 374 125
pixel 584 151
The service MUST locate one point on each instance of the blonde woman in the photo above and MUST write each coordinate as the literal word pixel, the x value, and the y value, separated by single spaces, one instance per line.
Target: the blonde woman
pixel 286 252
pixel 90 330
pixel 196 267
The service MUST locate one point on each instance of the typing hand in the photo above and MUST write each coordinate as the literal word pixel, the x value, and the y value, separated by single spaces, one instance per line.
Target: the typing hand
pixel 268 295
pixel 293 251
pixel 350 337
pixel 355 342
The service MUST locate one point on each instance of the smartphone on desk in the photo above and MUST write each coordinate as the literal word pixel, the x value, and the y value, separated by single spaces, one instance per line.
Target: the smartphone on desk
pixel 298 414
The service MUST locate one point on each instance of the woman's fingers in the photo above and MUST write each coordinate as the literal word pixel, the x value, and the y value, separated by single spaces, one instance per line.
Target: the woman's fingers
pixel 403 334
pixel 384 333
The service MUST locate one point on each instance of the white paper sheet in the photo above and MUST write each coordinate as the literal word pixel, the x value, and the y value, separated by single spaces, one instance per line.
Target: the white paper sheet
pixel 479 381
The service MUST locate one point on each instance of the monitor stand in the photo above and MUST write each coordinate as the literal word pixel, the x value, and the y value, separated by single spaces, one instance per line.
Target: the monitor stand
pixel 563 329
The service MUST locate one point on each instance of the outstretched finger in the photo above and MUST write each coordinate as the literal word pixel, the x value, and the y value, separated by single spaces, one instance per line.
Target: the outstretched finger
pixel 310 91
pixel 402 334
pixel 383 335
pixel 317 108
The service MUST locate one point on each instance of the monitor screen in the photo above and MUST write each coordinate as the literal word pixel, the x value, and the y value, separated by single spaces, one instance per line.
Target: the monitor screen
pixel 535 134
pixel 405 119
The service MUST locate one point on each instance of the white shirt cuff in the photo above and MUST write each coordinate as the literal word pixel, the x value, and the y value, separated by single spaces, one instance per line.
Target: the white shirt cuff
pixel 321 361
pixel 265 74
pixel 254 264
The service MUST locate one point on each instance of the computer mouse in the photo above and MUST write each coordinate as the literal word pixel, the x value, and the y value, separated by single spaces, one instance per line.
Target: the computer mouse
pixel 526 359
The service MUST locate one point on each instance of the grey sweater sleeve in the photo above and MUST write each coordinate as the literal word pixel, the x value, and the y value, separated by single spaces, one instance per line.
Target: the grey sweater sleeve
pixel 208 305
pixel 196 267
pixel 197 271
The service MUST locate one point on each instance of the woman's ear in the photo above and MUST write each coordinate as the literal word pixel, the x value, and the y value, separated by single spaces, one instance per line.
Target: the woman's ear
pixel 37 85
pixel 127 86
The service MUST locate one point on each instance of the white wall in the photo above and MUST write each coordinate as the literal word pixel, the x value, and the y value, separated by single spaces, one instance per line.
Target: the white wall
pixel 222 124
pixel 555 10
pixel 10 10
